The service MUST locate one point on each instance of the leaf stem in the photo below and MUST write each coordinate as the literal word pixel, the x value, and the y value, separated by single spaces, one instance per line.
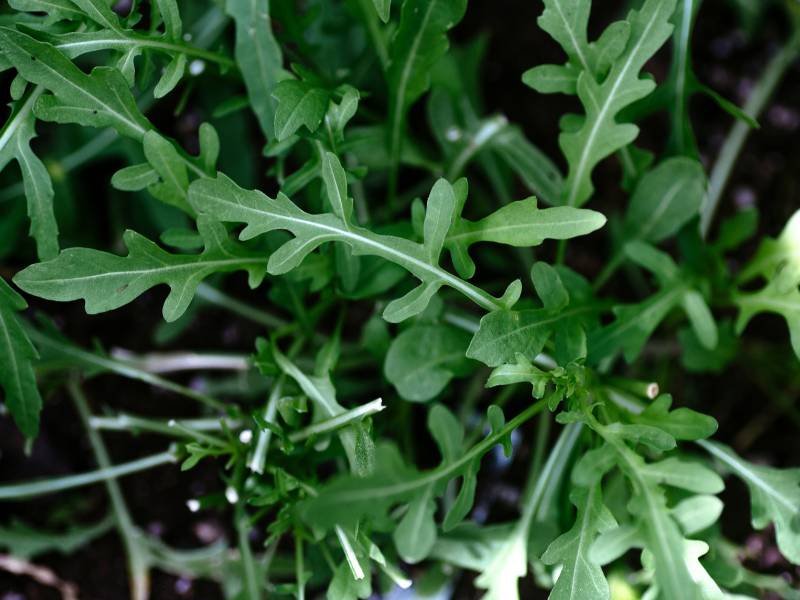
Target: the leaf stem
pixel 138 556
pixel 30 489
pixel 737 136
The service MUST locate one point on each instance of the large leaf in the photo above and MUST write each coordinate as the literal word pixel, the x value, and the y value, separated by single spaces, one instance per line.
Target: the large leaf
pixel 222 199
pixel 16 357
pixel 106 281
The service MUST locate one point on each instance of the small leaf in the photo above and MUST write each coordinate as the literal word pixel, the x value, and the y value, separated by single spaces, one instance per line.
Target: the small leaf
pixel 171 76
pixel 299 104
pixel 134 178
pixel 416 533
pixel 335 180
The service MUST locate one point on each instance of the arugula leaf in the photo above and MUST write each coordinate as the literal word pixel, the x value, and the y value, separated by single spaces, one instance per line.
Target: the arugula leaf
pixel 299 104
pixel 774 494
pixel 101 99
pixel 420 41
pixel 580 577
pixel 635 323
pixel 626 47
pixel 383 8
pixel 17 354
pixel 665 199
pixel 423 359
pixel 55 10
pixel 15 143
pixel 222 199
pixel 504 334
pixel 779 296
pixel 106 281
pixel 776 255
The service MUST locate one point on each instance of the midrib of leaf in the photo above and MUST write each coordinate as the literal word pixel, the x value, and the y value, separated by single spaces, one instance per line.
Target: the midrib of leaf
pixel 132 40
pixel 770 302
pixel 655 215
pixel 610 98
pixel 573 39
pixel 653 507
pixel 480 297
pixel 199 263
pixel 478 234
pixel 748 474
pixel 400 93
pixel 16 121
pixel 585 521
pixel 92 98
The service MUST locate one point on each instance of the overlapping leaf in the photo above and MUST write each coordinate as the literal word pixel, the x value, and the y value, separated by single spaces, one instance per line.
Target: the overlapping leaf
pixel 622 50
pixel 106 281
pixel 17 355
pixel 15 143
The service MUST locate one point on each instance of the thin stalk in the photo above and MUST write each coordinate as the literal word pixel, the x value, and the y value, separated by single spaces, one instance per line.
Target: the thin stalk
pixel 170 362
pixel 737 136
pixel 299 567
pixel 138 556
pixel 214 296
pixel 16 491
pixel 339 421
pixel 128 422
pixel 246 553
pixel 89 359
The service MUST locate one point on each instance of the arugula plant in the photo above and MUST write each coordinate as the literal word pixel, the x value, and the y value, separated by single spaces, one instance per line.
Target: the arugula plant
pixel 433 268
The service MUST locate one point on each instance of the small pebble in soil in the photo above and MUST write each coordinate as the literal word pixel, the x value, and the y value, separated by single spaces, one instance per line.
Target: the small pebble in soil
pixel 246 436
pixel 156 528
pixel 744 197
pixel 231 495
pixel 783 117
pixel 207 531
pixel 183 586
pixel 193 505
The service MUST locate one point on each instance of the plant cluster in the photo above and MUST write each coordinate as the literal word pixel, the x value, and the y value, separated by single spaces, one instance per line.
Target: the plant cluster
pixel 393 252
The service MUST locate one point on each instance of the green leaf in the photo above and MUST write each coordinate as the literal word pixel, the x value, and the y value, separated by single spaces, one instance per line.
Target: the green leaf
pixel 100 99
pixel 420 41
pixel 335 180
pixel 774 496
pixel 56 10
pixel 355 439
pixel 298 104
pixel 777 297
pixel 225 201
pixel 696 513
pixel 106 281
pixel 423 359
pixel 519 224
pixel 701 318
pixel 598 134
pixel 775 255
pixel 415 535
pixel 172 18
pixel 383 8
pixel 171 76
pixel 17 354
pixel 15 143
pixel 666 198
pixel 258 56
pixel 680 423
pixel 99 12
pixel 166 161
pixel 580 577
pixel 134 178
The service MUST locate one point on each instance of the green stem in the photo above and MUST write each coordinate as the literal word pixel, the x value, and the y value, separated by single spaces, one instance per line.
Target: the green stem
pixel 138 556
pixel 216 297
pixel 16 491
pixel 734 143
